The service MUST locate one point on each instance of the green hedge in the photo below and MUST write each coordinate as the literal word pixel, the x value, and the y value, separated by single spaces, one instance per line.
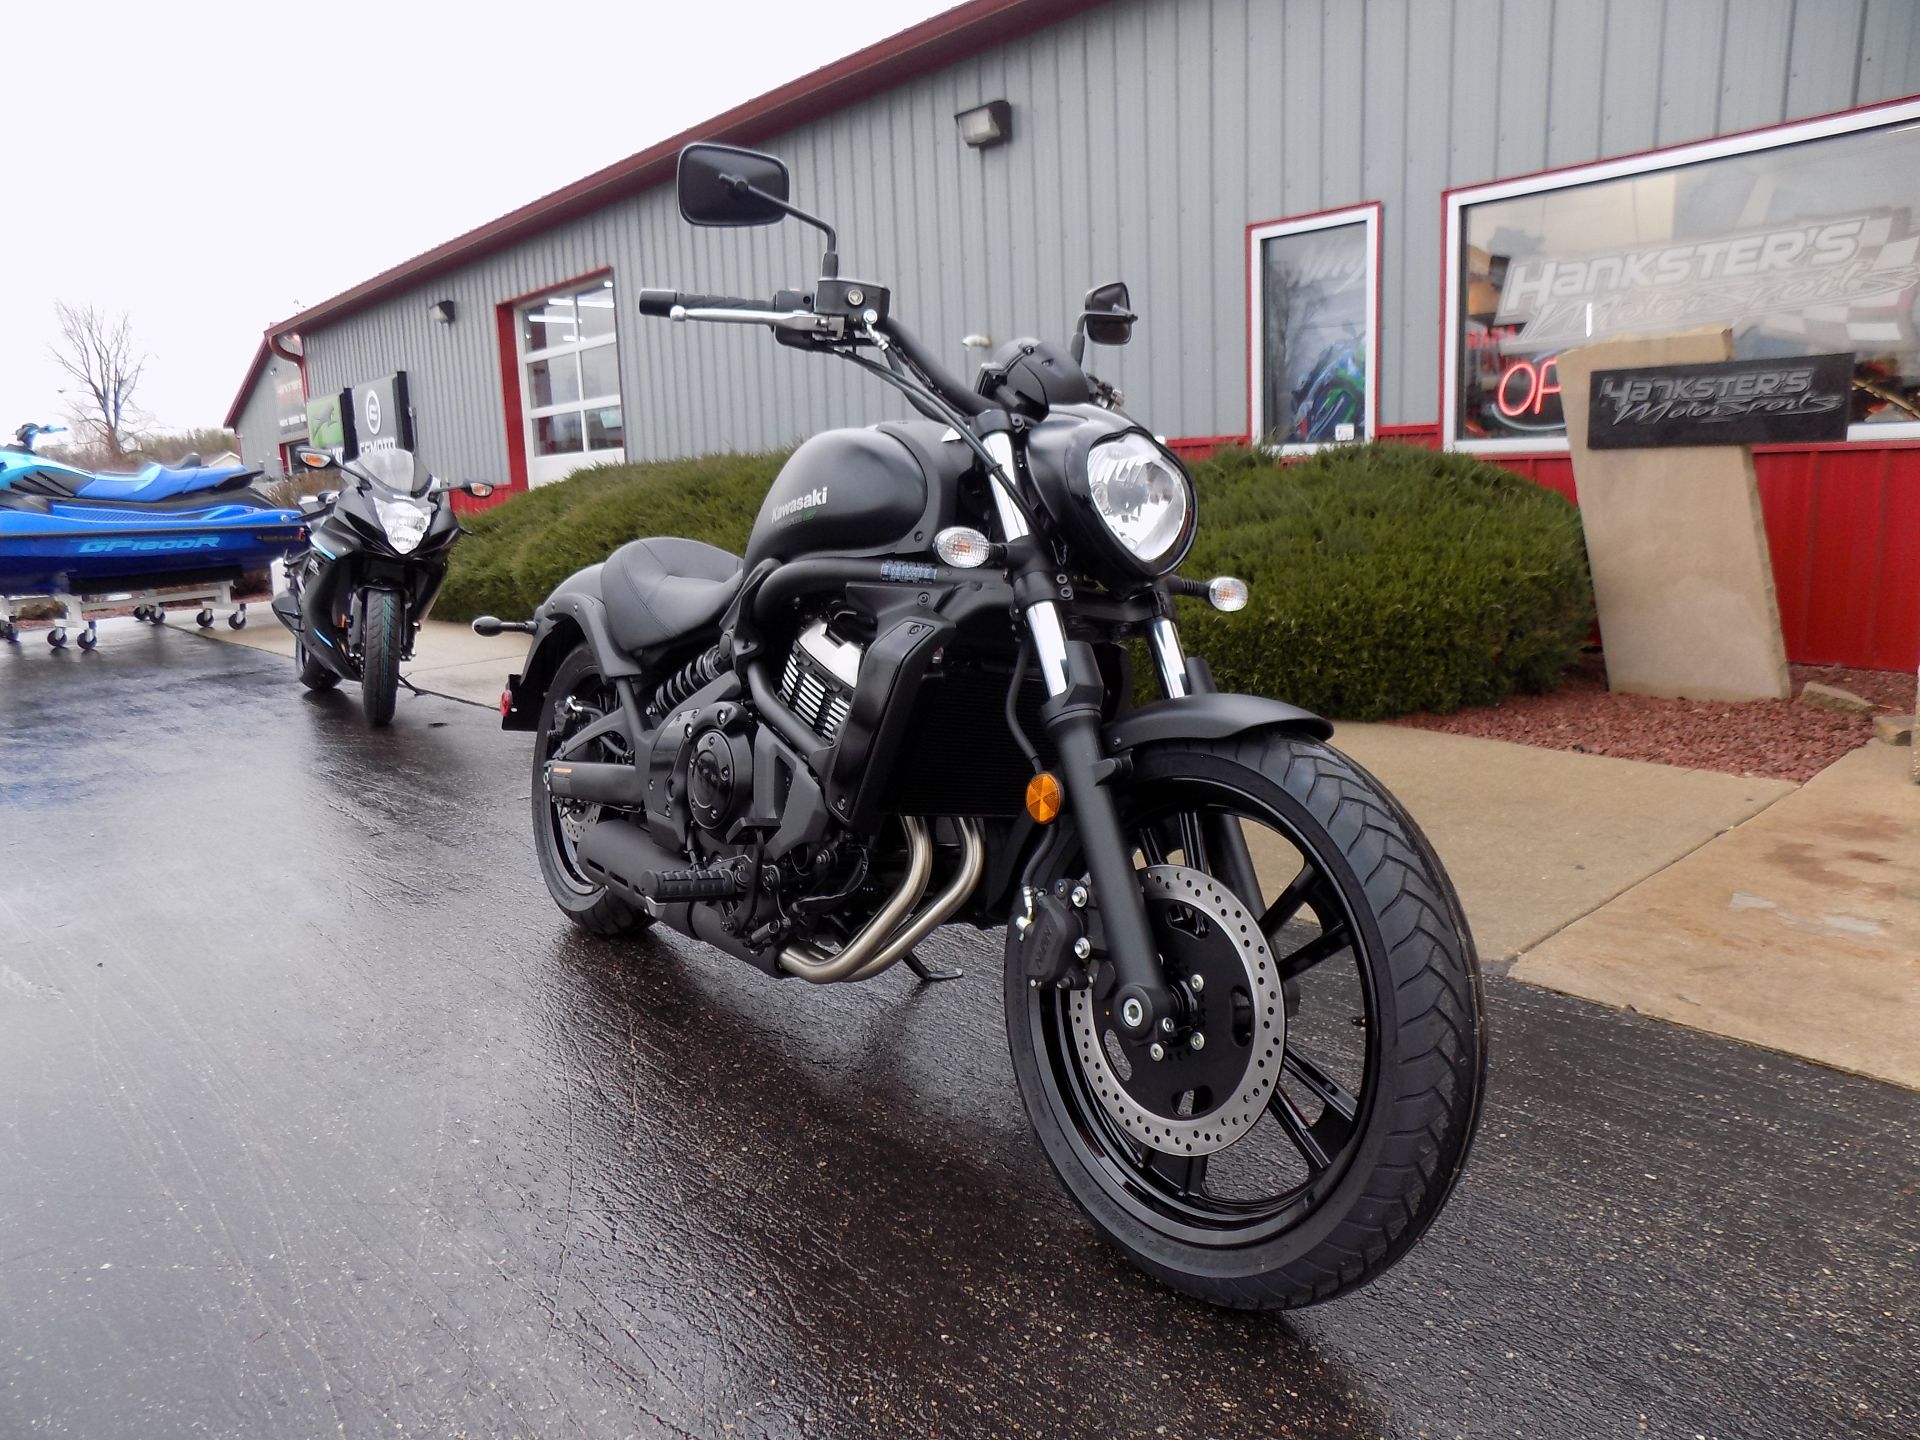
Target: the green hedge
pixel 1385 579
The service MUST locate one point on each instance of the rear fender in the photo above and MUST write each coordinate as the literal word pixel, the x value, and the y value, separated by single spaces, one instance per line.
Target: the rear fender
pixel 573 613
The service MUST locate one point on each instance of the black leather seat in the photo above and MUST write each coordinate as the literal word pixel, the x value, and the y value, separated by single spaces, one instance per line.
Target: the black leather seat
pixel 659 590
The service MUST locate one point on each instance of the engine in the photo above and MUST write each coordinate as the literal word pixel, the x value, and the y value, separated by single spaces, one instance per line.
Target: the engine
pixel 819 679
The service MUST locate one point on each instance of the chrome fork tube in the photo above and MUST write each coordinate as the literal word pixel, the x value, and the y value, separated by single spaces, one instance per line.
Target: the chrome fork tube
pixel 1043 619
pixel 1168 658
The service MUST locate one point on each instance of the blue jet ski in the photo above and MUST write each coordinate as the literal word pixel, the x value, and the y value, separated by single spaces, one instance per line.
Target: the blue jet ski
pixel 67 531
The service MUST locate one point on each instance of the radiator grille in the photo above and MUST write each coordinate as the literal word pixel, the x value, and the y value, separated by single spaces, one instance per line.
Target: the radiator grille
pixel 815 695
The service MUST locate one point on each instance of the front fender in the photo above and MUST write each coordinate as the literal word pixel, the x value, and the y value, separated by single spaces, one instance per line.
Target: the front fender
pixel 1210 716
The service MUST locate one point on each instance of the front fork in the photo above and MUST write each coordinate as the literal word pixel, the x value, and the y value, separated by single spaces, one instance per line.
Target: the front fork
pixel 1072 714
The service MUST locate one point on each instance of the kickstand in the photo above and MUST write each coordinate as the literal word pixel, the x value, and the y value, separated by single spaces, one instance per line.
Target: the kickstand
pixel 928 975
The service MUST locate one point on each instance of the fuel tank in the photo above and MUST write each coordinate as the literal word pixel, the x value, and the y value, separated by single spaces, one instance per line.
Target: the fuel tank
pixel 884 490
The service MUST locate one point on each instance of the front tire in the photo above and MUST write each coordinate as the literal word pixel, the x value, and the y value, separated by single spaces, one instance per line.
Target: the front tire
pixel 1384 1046
pixel 577 695
pixel 383 637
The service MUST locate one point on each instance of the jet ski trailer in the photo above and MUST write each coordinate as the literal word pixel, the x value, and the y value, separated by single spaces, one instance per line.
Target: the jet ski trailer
pixel 165 537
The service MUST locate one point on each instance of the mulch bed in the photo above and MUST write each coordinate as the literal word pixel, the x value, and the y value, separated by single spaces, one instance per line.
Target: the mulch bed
pixel 1776 739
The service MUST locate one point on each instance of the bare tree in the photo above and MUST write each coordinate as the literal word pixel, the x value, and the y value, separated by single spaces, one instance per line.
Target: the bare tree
pixel 97 352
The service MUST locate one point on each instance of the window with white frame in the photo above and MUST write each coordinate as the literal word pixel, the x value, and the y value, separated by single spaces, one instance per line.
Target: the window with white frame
pixel 1802 240
pixel 570 381
pixel 1313 297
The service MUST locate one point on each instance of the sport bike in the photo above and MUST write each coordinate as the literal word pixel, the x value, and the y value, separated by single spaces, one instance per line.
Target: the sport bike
pixel 376 555
pixel 1242 1002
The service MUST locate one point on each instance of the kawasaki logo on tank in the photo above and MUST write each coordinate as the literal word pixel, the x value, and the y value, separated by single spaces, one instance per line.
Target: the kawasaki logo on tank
pixel 812 500
pixel 1853 269
pixel 148 547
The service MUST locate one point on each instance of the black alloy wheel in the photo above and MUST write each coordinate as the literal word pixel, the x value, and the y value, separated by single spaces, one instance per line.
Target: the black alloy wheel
pixel 1301 1120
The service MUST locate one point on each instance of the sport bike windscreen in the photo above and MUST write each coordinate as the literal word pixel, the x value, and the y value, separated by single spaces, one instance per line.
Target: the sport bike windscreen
pixel 396 470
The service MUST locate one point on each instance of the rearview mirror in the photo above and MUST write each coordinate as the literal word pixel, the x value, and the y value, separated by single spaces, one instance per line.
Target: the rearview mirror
pixel 314 459
pixel 724 185
pixel 479 489
pixel 1108 314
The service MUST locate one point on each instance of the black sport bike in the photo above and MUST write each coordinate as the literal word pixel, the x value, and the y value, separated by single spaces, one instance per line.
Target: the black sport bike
pixel 1243 1006
pixel 377 551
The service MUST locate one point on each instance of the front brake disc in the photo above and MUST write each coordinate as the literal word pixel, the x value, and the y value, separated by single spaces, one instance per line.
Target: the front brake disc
pixel 1196 1099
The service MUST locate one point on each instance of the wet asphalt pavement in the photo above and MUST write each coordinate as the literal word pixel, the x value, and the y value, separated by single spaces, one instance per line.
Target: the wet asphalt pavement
pixel 316 1118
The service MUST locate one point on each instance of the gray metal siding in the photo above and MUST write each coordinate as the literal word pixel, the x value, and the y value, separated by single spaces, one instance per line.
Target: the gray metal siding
pixel 259 426
pixel 1147 135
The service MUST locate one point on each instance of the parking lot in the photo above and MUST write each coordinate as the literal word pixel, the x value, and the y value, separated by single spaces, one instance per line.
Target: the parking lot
pixel 315 1117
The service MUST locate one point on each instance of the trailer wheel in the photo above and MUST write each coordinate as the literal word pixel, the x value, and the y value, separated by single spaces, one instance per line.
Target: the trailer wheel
pixel 57 639
pixel 157 615
pixel 204 619
pixel 89 638
pixel 237 620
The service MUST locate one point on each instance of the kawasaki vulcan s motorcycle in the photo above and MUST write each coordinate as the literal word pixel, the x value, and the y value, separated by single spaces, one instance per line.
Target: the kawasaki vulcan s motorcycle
pixel 376 554
pixel 1242 1002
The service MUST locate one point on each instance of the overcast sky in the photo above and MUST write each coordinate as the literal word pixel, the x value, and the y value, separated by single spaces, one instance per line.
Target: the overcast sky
pixel 212 167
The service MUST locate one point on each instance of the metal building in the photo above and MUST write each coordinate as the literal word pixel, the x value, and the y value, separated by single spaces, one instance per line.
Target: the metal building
pixel 1330 213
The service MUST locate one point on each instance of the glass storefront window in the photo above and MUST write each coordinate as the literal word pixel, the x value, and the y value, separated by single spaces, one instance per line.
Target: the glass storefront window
pixel 1312 297
pixel 1801 241
pixel 570 362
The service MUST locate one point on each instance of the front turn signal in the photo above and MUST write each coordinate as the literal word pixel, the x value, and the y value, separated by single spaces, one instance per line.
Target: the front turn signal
pixel 1045 798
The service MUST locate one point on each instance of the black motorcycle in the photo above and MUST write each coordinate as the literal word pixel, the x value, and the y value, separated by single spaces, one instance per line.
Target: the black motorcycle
pixel 376 554
pixel 1243 1005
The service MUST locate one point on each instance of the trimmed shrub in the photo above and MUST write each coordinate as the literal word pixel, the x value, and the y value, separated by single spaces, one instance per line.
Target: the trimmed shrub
pixel 1386 579
pixel 520 550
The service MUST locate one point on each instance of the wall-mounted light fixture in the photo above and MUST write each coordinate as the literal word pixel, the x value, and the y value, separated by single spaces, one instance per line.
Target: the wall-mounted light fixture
pixel 986 125
pixel 441 310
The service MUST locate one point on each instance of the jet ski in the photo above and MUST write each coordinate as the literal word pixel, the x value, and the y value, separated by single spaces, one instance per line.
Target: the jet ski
pixel 65 531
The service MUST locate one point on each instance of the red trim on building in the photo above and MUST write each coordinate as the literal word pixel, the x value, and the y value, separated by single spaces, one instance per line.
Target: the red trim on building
pixel 951 36
pixel 506 327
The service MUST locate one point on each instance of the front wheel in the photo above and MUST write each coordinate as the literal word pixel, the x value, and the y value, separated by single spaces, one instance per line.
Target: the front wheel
pixel 383 636
pixel 1300 1121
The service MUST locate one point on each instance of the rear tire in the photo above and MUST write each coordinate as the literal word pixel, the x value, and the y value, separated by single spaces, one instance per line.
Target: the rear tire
pixel 589 905
pixel 383 637
pixel 1382 1157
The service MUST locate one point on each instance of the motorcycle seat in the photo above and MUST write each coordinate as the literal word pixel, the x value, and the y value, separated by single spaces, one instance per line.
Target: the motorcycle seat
pixel 660 590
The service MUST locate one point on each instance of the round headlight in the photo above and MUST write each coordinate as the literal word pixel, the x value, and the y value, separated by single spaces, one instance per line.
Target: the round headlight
pixel 1144 498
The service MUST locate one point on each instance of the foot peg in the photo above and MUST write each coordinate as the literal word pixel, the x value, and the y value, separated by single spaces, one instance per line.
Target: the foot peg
pixel 718 882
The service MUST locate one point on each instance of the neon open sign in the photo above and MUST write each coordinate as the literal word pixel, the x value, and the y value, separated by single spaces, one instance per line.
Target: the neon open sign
pixel 1527 385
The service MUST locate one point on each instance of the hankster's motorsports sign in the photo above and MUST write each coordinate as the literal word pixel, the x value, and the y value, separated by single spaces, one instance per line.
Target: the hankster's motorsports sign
pixel 1801 400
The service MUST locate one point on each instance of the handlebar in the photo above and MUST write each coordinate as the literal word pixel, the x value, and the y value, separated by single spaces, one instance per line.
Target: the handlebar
pixel 956 392
pixel 661 303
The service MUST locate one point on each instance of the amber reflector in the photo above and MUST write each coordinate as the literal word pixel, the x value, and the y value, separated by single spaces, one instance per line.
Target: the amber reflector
pixel 1044 798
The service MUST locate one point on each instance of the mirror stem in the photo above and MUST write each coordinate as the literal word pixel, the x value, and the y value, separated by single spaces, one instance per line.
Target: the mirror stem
pixel 829 262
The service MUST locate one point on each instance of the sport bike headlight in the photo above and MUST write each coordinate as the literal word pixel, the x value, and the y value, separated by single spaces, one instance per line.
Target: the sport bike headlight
pixel 1143 497
pixel 404 522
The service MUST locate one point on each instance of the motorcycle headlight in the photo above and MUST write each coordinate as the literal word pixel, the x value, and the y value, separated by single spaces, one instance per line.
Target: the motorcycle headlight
pixel 404 522
pixel 1144 499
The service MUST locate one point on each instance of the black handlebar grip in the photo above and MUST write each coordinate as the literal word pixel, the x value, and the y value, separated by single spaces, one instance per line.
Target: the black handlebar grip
pixel 661 302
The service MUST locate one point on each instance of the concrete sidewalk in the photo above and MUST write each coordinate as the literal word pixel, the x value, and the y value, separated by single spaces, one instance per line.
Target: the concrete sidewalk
pixel 1799 930
pixel 449 659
